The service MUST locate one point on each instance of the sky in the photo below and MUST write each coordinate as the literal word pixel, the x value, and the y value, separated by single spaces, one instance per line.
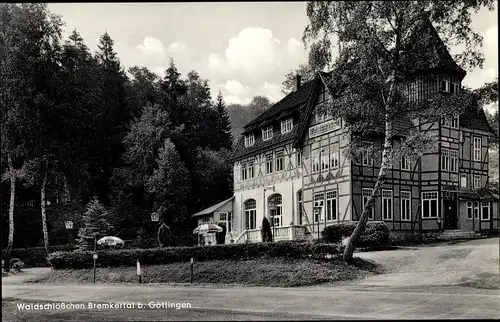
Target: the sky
pixel 244 49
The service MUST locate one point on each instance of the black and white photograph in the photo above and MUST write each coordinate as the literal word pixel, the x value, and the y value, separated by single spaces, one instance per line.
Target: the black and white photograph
pixel 181 161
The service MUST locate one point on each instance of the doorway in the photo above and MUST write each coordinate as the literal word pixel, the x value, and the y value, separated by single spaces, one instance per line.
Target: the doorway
pixel 450 214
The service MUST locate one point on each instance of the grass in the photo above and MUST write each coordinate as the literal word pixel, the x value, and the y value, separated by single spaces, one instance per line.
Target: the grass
pixel 257 272
pixel 483 281
pixel 10 312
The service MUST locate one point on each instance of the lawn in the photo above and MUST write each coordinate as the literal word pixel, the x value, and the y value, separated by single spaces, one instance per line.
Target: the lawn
pixel 257 272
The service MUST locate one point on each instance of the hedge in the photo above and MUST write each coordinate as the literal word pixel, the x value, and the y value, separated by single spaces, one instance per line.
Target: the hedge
pixel 376 233
pixel 36 256
pixel 128 257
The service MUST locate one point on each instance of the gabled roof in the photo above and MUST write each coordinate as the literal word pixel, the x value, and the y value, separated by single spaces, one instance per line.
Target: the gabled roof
pixel 474 118
pixel 426 50
pixel 294 99
pixel 211 209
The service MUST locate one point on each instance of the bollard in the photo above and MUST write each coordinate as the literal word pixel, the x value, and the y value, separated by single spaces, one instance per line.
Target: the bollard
pixel 139 271
pixel 191 265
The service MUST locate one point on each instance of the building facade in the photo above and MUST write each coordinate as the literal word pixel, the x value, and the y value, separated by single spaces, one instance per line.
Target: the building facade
pixel 291 166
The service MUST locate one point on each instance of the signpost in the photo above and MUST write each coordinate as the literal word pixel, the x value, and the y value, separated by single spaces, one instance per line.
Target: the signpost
pixel 95 259
pixel 69 226
pixel 155 217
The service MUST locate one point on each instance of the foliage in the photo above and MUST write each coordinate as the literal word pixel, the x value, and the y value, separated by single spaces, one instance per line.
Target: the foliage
pixel 376 233
pixel 306 73
pixel 128 257
pixel 36 256
pixel 265 231
pixel 95 224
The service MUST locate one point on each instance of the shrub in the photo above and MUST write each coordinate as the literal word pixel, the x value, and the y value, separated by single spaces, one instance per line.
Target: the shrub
pixel 376 233
pixel 167 255
pixel 265 231
pixel 36 256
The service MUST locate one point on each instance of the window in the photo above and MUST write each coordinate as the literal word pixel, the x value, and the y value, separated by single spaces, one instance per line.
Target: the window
pixel 315 161
pixel 454 122
pixel 367 159
pixel 429 204
pixel 286 126
pixel 244 174
pixel 300 210
pixel 269 163
pixel 455 88
pixel 454 160
pixel 320 117
pixel 325 160
pixel 477 149
pixel 230 222
pixel 485 210
pixel 477 182
pixel 250 170
pixel 463 181
pixel 299 158
pixel 222 216
pixel 405 163
pixel 405 205
pixel 367 193
pixel 279 160
pixel 445 159
pixel 277 213
pixel 476 209
pixel 205 220
pixel 386 204
pixel 250 214
pixel 334 157
pixel 331 205
pixel 249 140
pixel 319 199
pixel 267 133
pixel 445 85
pixel 469 209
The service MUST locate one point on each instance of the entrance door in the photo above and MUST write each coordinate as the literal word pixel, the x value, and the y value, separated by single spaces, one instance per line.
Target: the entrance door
pixel 450 214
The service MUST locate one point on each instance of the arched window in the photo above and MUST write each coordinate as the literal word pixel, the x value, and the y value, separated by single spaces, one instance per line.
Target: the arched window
pixel 250 214
pixel 276 208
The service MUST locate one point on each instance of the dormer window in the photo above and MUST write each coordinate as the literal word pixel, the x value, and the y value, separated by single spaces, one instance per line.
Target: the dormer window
pixel 454 122
pixel 267 133
pixel 249 140
pixel 445 85
pixel 455 88
pixel 286 126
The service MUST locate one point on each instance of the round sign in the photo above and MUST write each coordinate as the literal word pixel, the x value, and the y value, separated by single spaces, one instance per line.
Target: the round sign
pixel 94 256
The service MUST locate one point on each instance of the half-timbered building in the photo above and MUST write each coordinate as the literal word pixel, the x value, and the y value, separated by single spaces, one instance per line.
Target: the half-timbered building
pixel 290 166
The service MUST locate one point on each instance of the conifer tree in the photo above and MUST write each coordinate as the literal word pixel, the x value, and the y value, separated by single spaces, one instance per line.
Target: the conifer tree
pixel 95 224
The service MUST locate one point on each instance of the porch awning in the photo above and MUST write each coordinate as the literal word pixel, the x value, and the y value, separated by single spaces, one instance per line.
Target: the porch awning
pixel 479 194
pixel 211 209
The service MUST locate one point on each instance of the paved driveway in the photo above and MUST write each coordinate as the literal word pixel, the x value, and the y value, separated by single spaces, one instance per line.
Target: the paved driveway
pixel 461 263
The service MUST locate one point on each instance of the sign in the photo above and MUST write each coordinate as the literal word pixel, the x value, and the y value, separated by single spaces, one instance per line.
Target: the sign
pixel 324 128
pixel 138 268
pixel 94 256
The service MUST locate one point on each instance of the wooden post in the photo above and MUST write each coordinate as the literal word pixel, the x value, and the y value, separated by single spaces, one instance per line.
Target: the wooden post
pixel 191 268
pixel 95 259
pixel 139 271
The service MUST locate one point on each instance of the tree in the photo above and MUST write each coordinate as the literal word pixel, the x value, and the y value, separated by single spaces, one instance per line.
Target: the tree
pixel 259 104
pixel 95 224
pixel 30 50
pixel 224 138
pixel 486 95
pixel 384 43
pixel 304 71
pixel 265 231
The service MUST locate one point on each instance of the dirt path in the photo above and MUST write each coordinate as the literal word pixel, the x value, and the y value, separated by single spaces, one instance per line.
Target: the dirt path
pixel 474 263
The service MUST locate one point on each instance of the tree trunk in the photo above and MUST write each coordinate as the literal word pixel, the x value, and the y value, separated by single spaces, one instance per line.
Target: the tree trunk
pixel 44 215
pixel 360 227
pixel 10 242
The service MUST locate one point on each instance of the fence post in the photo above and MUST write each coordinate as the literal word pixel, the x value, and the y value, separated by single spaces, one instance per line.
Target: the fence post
pixel 139 271
pixel 191 267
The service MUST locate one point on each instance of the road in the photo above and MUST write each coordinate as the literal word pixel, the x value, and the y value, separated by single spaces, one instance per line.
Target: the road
pixel 399 294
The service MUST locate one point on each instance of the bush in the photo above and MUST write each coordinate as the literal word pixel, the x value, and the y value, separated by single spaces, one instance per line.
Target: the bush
pixel 36 256
pixel 376 233
pixel 167 255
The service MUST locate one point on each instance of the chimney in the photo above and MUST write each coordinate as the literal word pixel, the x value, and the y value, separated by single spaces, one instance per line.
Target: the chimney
pixel 297 82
